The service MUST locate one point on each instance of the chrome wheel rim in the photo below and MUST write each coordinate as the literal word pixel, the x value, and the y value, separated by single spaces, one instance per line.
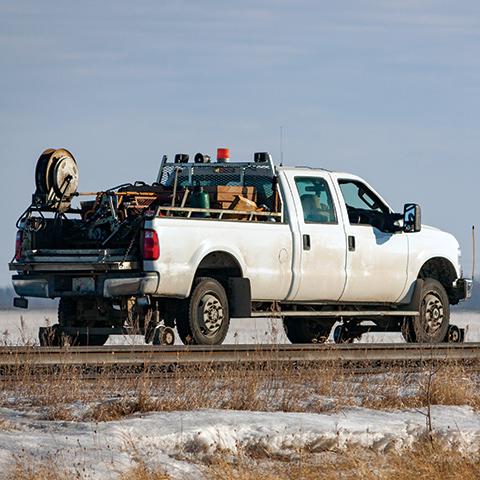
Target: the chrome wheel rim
pixel 212 314
pixel 433 312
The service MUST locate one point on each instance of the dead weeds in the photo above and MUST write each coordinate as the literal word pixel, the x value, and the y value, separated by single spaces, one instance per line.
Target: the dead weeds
pixel 271 386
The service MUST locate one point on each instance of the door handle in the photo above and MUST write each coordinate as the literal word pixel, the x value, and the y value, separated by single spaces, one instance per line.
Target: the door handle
pixel 351 243
pixel 306 242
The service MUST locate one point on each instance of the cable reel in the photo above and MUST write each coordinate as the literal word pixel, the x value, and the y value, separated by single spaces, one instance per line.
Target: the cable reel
pixel 56 180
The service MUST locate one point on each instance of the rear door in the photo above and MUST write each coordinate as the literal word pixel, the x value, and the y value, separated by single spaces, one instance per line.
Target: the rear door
pixel 319 238
pixel 376 258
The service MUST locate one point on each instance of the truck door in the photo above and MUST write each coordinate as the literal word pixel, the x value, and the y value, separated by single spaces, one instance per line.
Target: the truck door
pixel 377 258
pixel 319 238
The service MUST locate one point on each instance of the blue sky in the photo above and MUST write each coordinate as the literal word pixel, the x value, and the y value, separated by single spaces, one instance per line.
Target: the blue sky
pixel 389 90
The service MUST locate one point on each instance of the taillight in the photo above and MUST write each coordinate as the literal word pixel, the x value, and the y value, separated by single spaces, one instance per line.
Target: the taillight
pixel 18 245
pixel 151 246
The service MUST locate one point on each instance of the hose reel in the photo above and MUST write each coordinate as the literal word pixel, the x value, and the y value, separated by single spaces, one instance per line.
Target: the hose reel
pixel 56 180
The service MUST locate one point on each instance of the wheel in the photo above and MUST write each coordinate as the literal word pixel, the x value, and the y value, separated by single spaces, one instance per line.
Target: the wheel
pixel 341 335
pixel 163 336
pixel 68 314
pixel 49 336
pixel 453 334
pixel 431 325
pixel 307 330
pixel 203 318
pixel 407 330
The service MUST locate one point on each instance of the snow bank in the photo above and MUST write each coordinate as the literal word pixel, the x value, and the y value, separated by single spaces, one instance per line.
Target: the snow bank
pixel 175 440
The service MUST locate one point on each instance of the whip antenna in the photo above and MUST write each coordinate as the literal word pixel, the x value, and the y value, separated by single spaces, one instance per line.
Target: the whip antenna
pixel 281 146
pixel 473 252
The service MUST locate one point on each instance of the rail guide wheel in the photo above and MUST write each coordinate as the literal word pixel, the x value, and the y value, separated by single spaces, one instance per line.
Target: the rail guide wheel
pixel 455 334
pixel 342 335
pixel 163 336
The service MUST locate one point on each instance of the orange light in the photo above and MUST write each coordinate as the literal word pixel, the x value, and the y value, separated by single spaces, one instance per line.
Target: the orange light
pixel 223 154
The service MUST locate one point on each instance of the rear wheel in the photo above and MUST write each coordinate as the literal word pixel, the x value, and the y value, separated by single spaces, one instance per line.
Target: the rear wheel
pixel 431 326
pixel 49 336
pixel 79 313
pixel 307 330
pixel 203 318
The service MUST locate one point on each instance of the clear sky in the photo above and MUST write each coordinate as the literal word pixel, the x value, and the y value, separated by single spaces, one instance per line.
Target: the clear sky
pixel 389 90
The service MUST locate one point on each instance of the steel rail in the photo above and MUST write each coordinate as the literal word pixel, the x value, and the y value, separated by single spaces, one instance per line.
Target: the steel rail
pixel 149 355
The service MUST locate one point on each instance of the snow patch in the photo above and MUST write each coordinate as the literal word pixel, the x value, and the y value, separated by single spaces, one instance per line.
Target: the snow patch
pixel 178 440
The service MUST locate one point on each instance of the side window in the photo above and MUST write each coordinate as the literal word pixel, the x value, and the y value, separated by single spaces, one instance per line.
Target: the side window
pixel 363 206
pixel 316 199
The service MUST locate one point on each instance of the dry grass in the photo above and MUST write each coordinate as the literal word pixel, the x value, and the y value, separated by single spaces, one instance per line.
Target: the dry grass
pixel 272 386
pixel 425 460
pixel 45 471
pixel 142 472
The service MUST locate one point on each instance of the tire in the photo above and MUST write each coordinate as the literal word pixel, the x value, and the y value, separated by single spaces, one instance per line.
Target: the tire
pixel 203 318
pixel 307 330
pixel 431 326
pixel 67 310
pixel 49 336
pixel 407 330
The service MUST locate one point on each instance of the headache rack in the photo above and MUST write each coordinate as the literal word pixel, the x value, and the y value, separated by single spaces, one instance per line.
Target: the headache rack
pixel 235 173
pixel 224 182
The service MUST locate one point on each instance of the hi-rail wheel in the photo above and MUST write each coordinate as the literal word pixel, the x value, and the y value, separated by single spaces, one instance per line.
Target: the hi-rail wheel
pixel 50 336
pixel 163 336
pixel 455 334
pixel 342 335
pixel 56 179
pixel 307 330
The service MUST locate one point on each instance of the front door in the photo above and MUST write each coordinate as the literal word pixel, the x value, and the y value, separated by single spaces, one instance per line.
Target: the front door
pixel 319 242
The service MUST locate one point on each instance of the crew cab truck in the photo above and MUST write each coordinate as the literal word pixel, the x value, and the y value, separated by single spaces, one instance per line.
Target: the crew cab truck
pixel 210 241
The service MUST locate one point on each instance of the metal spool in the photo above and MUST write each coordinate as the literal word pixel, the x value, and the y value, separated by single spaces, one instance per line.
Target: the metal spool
pixel 56 178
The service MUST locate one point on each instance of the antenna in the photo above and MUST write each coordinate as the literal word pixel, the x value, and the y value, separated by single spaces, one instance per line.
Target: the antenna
pixel 281 146
pixel 473 252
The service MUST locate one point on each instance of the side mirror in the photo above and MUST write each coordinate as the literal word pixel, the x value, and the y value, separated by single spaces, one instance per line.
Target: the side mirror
pixel 412 218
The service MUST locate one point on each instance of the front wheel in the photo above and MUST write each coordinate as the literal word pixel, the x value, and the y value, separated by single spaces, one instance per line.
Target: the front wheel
pixel 204 317
pixel 431 325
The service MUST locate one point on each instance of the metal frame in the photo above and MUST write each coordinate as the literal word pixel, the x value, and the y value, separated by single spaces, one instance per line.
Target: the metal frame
pixel 220 212
pixel 241 166
pixel 338 313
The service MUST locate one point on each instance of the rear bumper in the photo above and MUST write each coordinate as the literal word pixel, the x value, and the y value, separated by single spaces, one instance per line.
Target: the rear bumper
pixel 111 285
pixel 463 288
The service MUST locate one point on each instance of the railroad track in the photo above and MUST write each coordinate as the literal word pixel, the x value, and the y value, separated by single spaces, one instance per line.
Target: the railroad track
pixel 142 357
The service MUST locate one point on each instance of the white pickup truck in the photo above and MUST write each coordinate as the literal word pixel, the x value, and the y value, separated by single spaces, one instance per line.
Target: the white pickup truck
pixel 211 241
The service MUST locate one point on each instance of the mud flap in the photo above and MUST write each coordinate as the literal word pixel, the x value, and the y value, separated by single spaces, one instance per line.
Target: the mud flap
pixel 239 297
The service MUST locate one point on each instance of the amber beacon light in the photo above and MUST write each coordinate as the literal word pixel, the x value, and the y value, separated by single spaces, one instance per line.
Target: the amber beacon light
pixel 223 154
